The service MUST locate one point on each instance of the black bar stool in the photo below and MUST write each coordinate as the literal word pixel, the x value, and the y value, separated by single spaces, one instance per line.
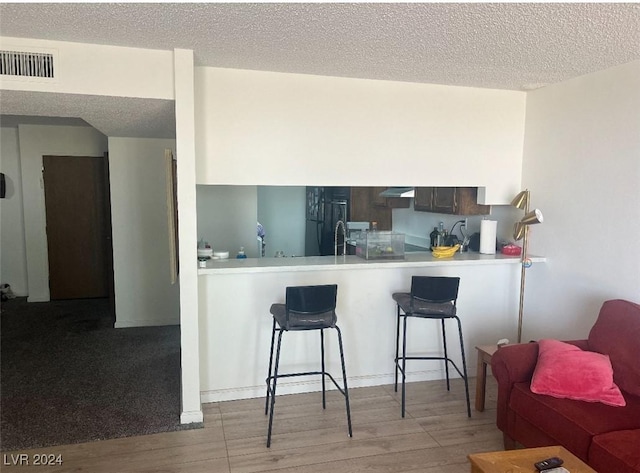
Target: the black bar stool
pixel 431 297
pixel 306 308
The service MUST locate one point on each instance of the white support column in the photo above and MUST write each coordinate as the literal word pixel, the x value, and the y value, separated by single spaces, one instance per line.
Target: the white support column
pixel 187 234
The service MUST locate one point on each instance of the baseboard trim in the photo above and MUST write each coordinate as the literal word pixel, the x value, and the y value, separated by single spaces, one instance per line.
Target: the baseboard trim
pixel 306 386
pixel 144 323
pixel 191 417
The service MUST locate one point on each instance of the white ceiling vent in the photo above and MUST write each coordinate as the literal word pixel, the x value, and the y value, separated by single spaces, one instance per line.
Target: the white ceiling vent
pixel 26 64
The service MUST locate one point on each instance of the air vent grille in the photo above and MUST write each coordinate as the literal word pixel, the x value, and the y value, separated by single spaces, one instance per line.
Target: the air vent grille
pixel 26 64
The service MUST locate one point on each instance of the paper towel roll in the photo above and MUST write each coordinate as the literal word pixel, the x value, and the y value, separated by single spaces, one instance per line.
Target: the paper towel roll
pixel 488 229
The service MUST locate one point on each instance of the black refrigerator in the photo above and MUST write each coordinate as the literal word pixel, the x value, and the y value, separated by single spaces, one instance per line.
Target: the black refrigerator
pixel 325 207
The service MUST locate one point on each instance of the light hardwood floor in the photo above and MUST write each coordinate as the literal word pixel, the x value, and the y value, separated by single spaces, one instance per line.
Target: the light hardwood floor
pixel 435 436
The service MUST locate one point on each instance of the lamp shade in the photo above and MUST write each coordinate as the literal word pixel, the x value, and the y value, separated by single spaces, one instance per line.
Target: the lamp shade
pixel 521 200
pixel 533 217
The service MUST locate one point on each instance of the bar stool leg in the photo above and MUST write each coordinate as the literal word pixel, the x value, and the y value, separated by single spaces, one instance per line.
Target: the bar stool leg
pixel 395 388
pixel 446 354
pixel 273 395
pixel 273 337
pixel 404 361
pixel 464 368
pixel 324 402
pixel 344 379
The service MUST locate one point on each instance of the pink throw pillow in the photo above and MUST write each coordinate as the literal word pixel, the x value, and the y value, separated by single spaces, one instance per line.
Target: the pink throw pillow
pixel 565 371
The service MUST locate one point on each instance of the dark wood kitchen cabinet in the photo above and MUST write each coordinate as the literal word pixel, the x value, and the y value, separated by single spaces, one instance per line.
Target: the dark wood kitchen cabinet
pixel 436 199
pixel 365 207
pixel 449 200
pixel 423 199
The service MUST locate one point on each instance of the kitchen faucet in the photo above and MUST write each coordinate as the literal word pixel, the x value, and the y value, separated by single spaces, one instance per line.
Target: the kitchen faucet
pixel 344 241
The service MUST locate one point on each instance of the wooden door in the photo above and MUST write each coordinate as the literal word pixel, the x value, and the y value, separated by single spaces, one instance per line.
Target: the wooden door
pixel 78 227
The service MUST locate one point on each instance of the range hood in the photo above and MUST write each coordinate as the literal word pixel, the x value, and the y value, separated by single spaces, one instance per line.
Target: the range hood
pixel 398 192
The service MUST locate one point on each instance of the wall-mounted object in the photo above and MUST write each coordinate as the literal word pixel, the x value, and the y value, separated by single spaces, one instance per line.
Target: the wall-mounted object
pixel 390 199
pixel 404 192
pixel 3 186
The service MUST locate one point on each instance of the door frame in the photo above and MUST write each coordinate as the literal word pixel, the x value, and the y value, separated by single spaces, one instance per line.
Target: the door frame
pixel 109 231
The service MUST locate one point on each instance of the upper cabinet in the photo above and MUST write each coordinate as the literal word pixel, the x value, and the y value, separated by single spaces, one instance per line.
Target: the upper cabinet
pixel 449 200
pixel 368 206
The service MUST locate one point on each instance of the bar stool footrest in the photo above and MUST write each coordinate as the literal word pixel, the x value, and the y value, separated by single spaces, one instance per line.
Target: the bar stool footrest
pixel 307 373
pixel 449 360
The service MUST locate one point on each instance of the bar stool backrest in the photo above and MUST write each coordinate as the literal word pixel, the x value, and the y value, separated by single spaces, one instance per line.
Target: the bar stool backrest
pixel 436 289
pixel 311 306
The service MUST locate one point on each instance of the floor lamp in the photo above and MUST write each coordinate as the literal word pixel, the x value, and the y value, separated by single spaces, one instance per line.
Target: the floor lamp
pixel 521 232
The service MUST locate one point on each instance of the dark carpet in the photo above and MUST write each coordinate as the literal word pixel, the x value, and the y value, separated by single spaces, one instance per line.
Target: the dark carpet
pixel 67 376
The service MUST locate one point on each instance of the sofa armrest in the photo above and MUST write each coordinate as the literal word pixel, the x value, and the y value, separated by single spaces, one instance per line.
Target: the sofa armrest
pixel 511 364
pixel 514 363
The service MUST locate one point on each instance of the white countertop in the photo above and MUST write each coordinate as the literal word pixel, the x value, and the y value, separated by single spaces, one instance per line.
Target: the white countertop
pixel 340 263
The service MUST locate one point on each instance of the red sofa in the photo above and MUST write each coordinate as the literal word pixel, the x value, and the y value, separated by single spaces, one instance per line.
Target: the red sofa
pixel 605 437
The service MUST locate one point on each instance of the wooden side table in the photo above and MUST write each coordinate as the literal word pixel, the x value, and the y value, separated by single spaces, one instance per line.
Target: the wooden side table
pixel 485 352
pixel 522 460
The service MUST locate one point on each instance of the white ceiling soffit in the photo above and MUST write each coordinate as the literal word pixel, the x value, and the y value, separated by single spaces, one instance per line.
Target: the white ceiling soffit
pixel 496 45
pixel 112 116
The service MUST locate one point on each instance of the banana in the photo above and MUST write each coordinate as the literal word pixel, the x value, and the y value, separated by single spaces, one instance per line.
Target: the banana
pixel 445 251
pixel 445 248
pixel 444 254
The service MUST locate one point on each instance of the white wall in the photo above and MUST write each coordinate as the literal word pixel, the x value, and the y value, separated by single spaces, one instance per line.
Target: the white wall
pixel 227 218
pixel 13 254
pixel 281 210
pixel 582 165
pixel 93 69
pixel 265 128
pixel 187 236
pixel 37 141
pixel 142 276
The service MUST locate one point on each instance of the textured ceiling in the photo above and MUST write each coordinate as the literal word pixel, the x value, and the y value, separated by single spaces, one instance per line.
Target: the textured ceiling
pixel 496 45
pixel 515 46
pixel 112 116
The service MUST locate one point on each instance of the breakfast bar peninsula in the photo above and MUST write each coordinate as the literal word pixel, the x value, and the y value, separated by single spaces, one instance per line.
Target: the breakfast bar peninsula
pixel 235 324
